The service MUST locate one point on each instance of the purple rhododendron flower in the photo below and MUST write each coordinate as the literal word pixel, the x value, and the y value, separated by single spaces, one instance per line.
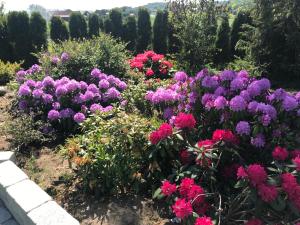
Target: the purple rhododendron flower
pixel 47 98
pixel 245 95
pixel 56 105
pixel 24 90
pixel 93 88
pixel 104 84
pixel 88 96
pixel 61 90
pixel 254 89
pixel 227 75
pixel 180 76
pixel 220 91
pixel 121 85
pixel 83 85
pixel 297 96
pixel 112 93
pixel 243 128
pixel 252 106
pixel 238 84
pixel 30 83
pixel 95 107
pixel 53 115
pixel 107 108
pixel 23 105
pixel 264 84
pixel 35 68
pixel 289 103
pixel 207 97
pixel 64 57
pixel 202 74
pixel 95 73
pixel 220 102
pixel 237 103
pixel 55 60
pixel 66 113
pixel 168 113
pixel 37 93
pixel 258 141
pixel 209 82
pixel 79 117
pixel 48 82
pixel 73 85
pixel 243 74
pixel 266 120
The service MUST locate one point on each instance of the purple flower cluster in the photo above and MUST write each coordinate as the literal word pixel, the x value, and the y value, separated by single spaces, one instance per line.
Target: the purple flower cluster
pixel 67 98
pixel 238 99
pixel 22 74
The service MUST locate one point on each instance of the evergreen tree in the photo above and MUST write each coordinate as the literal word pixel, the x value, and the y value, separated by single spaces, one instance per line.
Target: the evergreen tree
pixel 239 22
pixel 5 53
pixel 19 36
pixel 107 26
pixel 101 24
pixel 77 26
pixel 38 31
pixel 160 32
pixel 116 23
pixel 130 33
pixel 58 29
pixel 94 25
pixel 144 30
pixel 223 42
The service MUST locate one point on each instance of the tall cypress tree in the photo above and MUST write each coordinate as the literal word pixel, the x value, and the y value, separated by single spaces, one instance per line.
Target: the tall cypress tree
pixel 5 52
pixel 101 24
pixel 160 32
pixel 77 26
pixel 130 33
pixel 58 29
pixel 144 30
pixel 223 42
pixel 19 36
pixel 107 25
pixel 116 23
pixel 94 25
pixel 240 20
pixel 38 31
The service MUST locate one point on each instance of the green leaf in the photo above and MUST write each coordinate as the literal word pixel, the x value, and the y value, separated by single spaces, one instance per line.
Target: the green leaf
pixel 279 204
pixel 157 193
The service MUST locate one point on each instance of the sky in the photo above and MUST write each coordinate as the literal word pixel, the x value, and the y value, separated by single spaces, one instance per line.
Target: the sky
pixel 74 4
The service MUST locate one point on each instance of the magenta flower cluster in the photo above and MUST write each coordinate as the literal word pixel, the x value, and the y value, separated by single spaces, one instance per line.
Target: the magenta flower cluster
pixel 244 103
pixel 21 75
pixel 70 99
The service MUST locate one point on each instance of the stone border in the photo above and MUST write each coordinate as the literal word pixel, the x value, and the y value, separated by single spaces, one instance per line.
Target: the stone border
pixel 26 201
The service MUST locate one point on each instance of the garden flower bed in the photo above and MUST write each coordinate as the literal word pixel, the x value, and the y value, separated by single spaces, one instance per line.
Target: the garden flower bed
pixel 210 148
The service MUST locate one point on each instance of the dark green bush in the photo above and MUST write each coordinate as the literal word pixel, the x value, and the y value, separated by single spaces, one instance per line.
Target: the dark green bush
pixel 102 52
pixel 77 26
pixel 58 29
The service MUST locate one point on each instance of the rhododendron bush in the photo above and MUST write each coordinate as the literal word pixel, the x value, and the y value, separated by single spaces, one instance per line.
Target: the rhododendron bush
pixel 65 102
pixel 231 146
pixel 152 65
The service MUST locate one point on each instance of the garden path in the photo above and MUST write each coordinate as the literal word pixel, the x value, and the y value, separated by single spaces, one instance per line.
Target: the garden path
pixel 5 216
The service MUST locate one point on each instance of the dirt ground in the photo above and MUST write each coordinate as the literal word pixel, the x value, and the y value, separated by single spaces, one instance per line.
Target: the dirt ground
pixel 52 173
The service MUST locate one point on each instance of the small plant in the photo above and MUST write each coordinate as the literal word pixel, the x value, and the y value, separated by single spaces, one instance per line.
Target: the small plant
pixel 7 72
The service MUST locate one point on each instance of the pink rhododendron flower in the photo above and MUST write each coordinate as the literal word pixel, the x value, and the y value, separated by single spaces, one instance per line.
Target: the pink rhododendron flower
pixel 280 153
pixel 185 121
pixel 182 208
pixel 268 193
pixel 256 174
pixel 241 173
pixel 185 186
pixel 203 221
pixel 254 222
pixel 167 188
pixel 296 161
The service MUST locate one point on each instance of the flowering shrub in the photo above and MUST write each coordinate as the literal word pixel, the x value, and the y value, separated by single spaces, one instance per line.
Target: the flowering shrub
pixel 65 101
pixel 152 65
pixel 235 139
pixel 74 58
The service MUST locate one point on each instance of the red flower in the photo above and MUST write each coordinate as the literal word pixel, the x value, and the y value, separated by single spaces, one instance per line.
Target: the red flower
pixel 206 144
pixel 136 64
pixel 185 186
pixel 295 153
pixel 185 121
pixel 296 161
pixel 163 132
pixel 257 174
pixel 155 137
pixel 149 73
pixel 167 64
pixel 149 54
pixel 185 157
pixel 254 221
pixel 268 193
pixel 163 71
pixel 241 173
pixel 167 188
pixel 196 194
pixel 225 135
pixel 157 57
pixel 166 130
pixel 203 221
pixel 280 153
pixel 182 208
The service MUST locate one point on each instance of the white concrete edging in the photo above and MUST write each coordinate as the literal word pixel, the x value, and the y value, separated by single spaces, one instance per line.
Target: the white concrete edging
pixel 26 201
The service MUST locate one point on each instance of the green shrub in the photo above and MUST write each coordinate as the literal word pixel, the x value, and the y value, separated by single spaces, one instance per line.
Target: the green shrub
pixel 245 64
pixel 7 71
pixel 102 52
pixel 111 154
pixel 25 131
